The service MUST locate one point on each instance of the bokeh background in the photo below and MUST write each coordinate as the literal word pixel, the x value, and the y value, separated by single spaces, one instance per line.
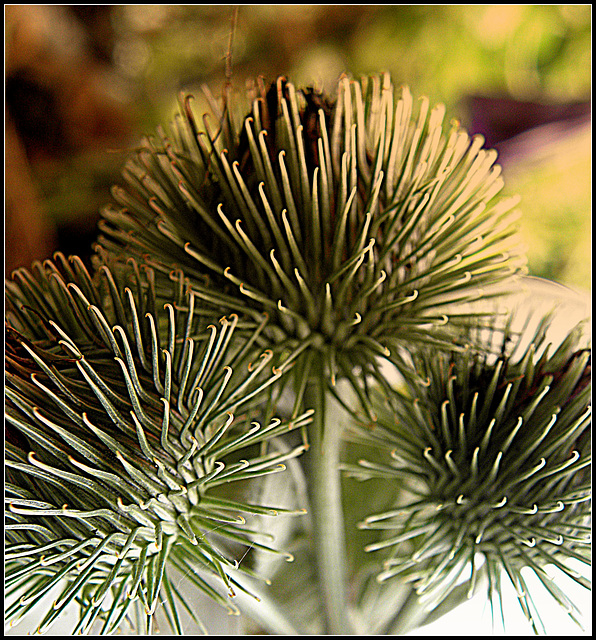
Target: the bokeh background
pixel 84 82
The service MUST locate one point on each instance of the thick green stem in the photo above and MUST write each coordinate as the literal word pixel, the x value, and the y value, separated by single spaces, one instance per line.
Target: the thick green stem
pixel 327 507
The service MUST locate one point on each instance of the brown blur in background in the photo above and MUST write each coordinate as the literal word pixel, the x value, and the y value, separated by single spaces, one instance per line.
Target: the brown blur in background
pixel 84 82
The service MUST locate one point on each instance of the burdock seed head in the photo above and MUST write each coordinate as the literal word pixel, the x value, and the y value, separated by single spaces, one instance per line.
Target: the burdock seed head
pixel 492 450
pixel 353 219
pixel 124 421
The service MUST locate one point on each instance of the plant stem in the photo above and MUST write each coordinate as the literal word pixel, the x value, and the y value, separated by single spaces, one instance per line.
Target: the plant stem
pixel 327 508
pixel 409 616
pixel 264 610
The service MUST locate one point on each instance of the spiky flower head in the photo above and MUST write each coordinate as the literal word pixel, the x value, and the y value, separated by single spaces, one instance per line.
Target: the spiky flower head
pixel 353 220
pixel 127 425
pixel 492 451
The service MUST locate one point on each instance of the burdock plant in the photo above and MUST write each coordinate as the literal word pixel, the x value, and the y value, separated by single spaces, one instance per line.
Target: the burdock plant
pixel 260 272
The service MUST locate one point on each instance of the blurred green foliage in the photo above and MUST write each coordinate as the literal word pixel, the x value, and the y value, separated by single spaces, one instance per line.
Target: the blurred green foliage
pixel 444 51
pixel 555 184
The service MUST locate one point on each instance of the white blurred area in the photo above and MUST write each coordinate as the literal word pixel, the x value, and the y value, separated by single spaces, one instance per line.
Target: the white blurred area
pixel 474 618
pixel 569 308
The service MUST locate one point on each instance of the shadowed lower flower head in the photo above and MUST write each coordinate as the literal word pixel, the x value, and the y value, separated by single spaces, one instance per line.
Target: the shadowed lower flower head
pixel 492 450
pixel 354 219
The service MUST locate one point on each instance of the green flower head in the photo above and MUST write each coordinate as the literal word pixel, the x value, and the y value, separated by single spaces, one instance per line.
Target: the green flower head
pixel 126 425
pixel 493 451
pixel 353 220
